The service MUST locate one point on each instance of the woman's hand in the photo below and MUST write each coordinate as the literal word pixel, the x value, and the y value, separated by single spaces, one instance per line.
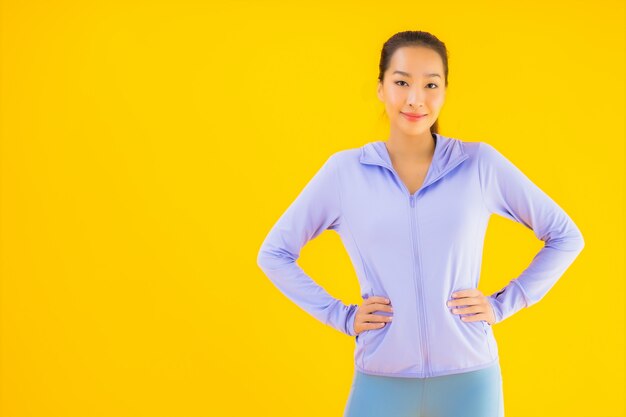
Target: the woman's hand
pixel 365 320
pixel 477 305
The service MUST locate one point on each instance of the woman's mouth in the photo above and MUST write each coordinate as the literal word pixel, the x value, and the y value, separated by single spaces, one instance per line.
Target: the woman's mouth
pixel 413 117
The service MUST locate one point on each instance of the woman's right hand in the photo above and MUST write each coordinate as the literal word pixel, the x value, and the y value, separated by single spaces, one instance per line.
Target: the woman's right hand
pixel 365 320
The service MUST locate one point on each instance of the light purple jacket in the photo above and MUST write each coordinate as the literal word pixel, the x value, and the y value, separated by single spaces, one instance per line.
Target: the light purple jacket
pixel 417 250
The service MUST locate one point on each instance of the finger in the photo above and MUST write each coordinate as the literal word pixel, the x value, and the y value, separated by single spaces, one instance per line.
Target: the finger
pixel 373 318
pixel 468 310
pixel 369 308
pixel 474 317
pixel 374 325
pixel 378 303
pixel 470 292
pixel 464 301
pixel 377 299
pixel 459 293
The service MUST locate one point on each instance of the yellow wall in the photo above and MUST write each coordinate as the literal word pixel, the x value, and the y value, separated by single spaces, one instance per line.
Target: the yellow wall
pixel 147 148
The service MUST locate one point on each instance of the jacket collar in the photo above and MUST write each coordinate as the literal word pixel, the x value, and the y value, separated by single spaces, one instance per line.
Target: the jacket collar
pixel 449 153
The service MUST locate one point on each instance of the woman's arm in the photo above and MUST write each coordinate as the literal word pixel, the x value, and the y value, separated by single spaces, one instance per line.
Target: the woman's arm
pixel 511 194
pixel 315 209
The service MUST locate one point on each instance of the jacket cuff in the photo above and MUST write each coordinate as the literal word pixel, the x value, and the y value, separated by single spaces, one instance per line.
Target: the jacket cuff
pixel 495 310
pixel 350 320
pixel 508 301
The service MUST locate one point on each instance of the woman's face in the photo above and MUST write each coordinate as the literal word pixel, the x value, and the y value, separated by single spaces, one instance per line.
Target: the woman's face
pixel 413 83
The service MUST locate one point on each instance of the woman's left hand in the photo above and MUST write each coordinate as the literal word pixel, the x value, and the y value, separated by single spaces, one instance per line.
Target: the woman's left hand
pixel 477 304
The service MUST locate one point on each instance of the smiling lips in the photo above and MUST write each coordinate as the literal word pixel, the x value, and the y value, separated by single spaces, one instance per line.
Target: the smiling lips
pixel 413 116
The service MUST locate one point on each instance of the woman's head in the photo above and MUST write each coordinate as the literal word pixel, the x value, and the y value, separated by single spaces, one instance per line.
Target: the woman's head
pixel 413 78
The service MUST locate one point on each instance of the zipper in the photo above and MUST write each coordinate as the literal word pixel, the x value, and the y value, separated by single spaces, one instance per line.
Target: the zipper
pixel 421 315
pixel 414 227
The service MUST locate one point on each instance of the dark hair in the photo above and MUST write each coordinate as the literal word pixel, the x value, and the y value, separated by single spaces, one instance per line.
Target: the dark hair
pixel 413 38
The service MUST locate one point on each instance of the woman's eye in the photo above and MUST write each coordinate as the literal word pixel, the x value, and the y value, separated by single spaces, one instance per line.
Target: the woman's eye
pixel 427 84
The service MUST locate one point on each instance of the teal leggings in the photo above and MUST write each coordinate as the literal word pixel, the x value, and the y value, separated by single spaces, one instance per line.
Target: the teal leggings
pixel 469 394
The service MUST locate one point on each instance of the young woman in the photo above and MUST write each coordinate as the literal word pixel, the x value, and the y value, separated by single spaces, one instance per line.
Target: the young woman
pixel 412 213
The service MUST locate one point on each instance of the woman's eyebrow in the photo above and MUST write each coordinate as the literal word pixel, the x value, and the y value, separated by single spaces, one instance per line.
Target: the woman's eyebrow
pixel 409 75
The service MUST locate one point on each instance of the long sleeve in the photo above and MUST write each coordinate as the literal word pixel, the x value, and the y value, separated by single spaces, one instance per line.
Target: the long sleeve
pixel 511 194
pixel 315 209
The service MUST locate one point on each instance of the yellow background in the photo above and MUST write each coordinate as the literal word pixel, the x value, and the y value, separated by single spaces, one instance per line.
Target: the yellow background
pixel 148 147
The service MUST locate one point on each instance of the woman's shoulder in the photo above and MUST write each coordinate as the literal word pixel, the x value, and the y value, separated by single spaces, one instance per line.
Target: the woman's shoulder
pixel 479 149
pixel 471 147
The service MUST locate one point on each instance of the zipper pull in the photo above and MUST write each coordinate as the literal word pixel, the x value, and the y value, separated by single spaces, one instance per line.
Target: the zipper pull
pixel 412 199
